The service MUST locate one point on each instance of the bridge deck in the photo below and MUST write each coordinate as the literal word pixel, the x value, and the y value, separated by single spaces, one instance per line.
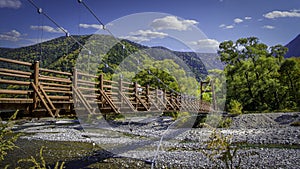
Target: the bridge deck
pixel 34 88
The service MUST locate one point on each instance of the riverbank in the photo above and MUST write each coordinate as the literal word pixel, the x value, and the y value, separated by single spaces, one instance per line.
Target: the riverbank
pixel 269 140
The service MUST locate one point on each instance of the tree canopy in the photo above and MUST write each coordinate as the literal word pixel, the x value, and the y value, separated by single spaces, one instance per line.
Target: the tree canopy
pixel 258 76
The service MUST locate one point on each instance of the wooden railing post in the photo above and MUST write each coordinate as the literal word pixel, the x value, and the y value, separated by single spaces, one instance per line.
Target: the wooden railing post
pixel 136 94
pixel 201 91
pixel 75 79
pixel 165 96
pixel 36 74
pixel 101 87
pixel 156 94
pixel 147 94
pixel 213 95
pixel 121 90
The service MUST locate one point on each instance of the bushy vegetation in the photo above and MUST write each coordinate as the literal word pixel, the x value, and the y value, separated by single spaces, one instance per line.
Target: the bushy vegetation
pixel 7 138
pixel 220 150
pixel 235 107
pixel 259 77
pixel 40 163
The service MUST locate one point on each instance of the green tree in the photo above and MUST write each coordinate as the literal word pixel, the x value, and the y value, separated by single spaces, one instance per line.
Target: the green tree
pixel 290 80
pixel 253 73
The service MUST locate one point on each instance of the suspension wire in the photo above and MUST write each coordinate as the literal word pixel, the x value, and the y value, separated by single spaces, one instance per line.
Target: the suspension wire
pixel 119 41
pixel 40 11
pixel 41 46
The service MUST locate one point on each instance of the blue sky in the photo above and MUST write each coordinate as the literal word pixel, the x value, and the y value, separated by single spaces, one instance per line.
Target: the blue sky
pixel 201 24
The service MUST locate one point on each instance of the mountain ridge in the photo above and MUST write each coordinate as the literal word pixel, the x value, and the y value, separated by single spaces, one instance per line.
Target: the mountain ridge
pixel 61 54
pixel 293 48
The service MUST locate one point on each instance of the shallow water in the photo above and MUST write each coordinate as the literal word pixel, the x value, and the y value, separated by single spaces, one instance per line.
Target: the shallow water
pixel 74 154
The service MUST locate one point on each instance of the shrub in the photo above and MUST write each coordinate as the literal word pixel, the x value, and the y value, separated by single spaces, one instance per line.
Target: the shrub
pixel 41 164
pixel 235 107
pixel 7 138
pixel 174 115
pixel 223 153
pixel 225 123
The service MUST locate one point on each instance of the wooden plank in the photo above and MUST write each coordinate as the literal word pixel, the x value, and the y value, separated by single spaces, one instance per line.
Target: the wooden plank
pixel 55 84
pixel 87 106
pixel 108 100
pixel 142 102
pixel 58 91
pixel 55 79
pixel 42 99
pixel 88 89
pixel 14 75
pixel 15 82
pixel 86 82
pixel 128 83
pixel 108 86
pixel 15 61
pixel 55 71
pixel 87 75
pixel 57 88
pixel 59 97
pixel 110 82
pixel 16 100
pixel 15 71
pixel 127 101
pixel 47 98
pixel 20 92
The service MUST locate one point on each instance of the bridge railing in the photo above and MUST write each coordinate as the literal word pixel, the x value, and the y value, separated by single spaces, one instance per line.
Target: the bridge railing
pixel 18 80
pixel 29 87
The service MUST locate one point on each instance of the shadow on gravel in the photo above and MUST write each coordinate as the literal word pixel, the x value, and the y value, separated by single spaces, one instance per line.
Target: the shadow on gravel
pixel 286 119
pixel 86 161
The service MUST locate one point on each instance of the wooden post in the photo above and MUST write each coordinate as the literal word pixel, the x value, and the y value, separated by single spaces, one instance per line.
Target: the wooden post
pixel 136 94
pixel 75 78
pixel 156 94
pixel 36 73
pixel 165 96
pixel 101 88
pixel 213 95
pixel 147 94
pixel 120 90
pixel 201 91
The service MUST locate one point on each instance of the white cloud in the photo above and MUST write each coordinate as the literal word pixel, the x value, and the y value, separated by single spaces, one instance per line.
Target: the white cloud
pixel 229 27
pixel 94 26
pixel 172 22
pixel 268 27
pixel 282 14
pixel 206 45
pixel 137 39
pixel 149 33
pixel 12 35
pixel 222 26
pixel 226 26
pixel 15 4
pixel 238 20
pixel 47 29
pixel 144 35
pixel 248 17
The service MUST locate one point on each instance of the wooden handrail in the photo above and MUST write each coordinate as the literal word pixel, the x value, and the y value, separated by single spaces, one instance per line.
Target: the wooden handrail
pixel 15 61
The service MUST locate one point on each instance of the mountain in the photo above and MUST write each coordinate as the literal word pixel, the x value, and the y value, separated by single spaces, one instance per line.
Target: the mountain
pixel 61 53
pixel 294 48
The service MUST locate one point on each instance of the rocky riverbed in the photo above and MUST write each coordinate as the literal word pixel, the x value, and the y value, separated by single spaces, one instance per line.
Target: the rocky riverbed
pixel 265 141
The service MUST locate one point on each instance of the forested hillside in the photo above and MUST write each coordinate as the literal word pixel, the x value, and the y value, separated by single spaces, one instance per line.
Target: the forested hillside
pixel 61 53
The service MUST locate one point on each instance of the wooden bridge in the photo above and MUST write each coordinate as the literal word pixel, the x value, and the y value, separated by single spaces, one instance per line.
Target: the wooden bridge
pixel 28 87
